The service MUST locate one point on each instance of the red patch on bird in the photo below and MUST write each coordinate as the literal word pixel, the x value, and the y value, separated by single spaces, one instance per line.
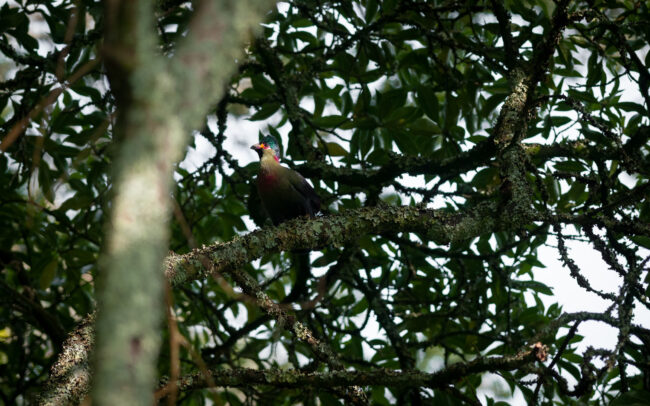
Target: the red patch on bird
pixel 266 179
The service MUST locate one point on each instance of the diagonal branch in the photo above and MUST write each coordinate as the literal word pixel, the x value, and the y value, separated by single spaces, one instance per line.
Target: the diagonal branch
pixel 69 380
pixel 440 226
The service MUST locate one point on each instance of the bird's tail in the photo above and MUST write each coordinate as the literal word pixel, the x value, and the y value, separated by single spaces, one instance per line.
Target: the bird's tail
pixel 302 265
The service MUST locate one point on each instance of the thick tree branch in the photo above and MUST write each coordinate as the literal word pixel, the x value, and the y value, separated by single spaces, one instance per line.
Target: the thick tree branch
pixel 440 226
pixel 69 380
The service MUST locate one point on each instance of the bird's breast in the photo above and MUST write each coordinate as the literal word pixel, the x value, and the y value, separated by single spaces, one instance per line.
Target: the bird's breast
pixel 267 180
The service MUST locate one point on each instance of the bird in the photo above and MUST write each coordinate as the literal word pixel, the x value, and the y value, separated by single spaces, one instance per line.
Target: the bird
pixel 285 194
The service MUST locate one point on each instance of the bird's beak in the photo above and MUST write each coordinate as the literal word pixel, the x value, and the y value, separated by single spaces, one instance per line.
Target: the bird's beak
pixel 256 147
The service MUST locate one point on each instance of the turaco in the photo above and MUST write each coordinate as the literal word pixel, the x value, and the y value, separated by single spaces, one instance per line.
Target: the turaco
pixel 285 194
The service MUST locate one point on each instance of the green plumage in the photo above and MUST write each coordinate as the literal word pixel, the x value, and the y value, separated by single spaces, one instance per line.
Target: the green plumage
pixel 285 194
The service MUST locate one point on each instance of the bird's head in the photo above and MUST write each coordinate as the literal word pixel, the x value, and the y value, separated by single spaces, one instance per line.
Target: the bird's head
pixel 268 146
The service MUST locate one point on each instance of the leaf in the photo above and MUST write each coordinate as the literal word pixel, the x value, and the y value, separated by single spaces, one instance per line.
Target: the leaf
pixel 262 84
pixel 5 333
pixel 452 110
pixel 335 149
pixel 329 121
pixel 301 23
pixel 428 101
pixel 559 121
pixel 87 91
pixel 532 285
pixel 594 70
pixel 405 143
pixel 388 6
pixel 372 6
pixel 305 37
pixel 637 397
pixel 45 180
pixel 490 105
pixel 265 112
pixel 390 101
pixel 48 273
pixel 79 201
pixel 569 166
pixel 630 106
pixel 642 240
pixel 486 177
pixel 402 115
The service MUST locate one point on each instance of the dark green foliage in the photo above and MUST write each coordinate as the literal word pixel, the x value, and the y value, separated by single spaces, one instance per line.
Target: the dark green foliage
pixel 368 92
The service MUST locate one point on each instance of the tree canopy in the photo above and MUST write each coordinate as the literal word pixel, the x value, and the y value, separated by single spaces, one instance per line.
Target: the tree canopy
pixel 449 141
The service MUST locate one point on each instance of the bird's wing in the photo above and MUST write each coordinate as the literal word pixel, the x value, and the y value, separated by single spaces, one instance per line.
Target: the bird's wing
pixel 300 184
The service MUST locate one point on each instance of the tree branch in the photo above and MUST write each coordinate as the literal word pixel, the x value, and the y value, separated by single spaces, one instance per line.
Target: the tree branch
pixel 293 378
pixel 69 380
pixel 440 226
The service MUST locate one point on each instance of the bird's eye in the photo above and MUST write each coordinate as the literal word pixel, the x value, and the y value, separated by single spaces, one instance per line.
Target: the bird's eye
pixel 262 146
